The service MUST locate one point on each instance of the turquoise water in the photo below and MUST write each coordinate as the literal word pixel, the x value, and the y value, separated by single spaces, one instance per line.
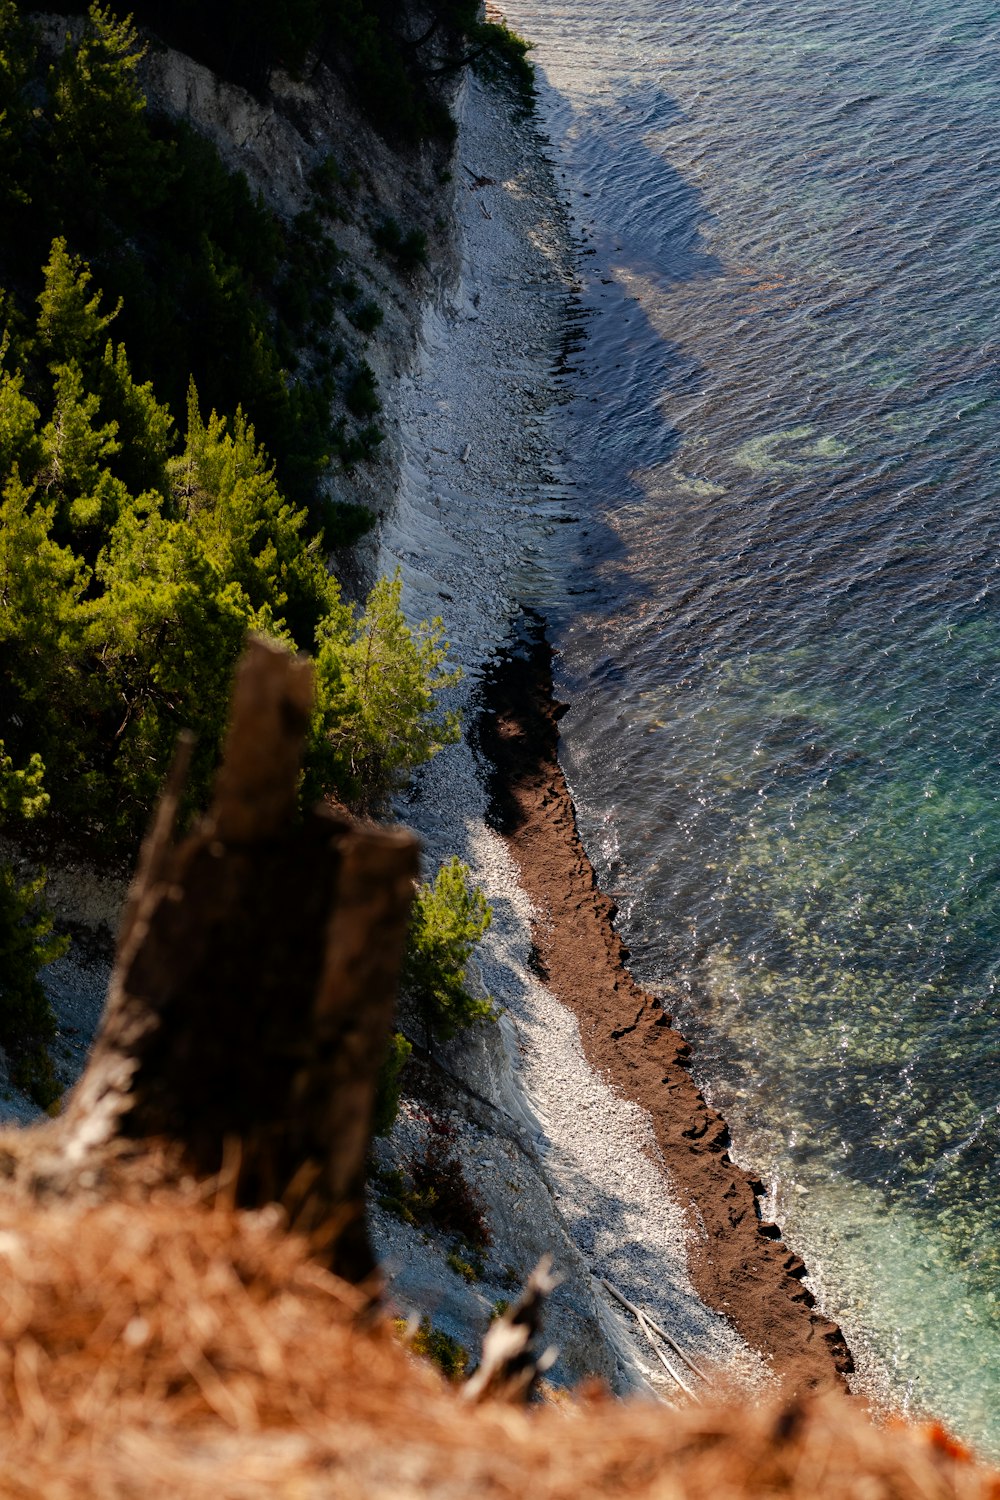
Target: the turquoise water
pixel 784 652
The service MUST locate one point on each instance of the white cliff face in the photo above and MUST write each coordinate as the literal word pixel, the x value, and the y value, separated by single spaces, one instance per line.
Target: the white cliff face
pixel 249 135
pixel 277 141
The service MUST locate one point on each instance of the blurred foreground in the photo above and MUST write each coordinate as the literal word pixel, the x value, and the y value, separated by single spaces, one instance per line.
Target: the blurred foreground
pixel 174 1318
pixel 181 1347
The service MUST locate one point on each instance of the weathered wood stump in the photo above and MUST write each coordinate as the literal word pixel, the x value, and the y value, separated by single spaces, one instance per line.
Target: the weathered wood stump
pixel 255 981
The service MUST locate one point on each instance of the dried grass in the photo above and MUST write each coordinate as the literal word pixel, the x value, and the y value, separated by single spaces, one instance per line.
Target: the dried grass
pixel 178 1348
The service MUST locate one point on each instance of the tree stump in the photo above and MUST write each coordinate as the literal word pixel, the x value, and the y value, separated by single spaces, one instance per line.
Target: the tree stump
pixel 255 981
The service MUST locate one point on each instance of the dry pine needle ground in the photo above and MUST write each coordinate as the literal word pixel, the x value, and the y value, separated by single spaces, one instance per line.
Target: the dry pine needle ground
pixel 180 1348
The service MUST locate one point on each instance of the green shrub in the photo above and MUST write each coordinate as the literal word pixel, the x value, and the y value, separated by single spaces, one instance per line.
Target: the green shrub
pixel 22 793
pixel 407 250
pixel 449 918
pixel 26 946
pixel 345 523
pixel 370 436
pixel 26 1020
pixel 439 1183
pixel 330 186
pixel 496 48
pixel 367 316
pixel 435 1191
pixel 469 1270
pixel 361 395
pixel 451 1358
pixel 399 1198
pixel 378 685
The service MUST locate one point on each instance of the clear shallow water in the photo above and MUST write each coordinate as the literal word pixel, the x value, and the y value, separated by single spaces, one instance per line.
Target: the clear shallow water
pixel 784 655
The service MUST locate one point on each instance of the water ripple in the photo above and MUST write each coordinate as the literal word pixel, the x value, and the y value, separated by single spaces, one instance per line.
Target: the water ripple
pixel 787 677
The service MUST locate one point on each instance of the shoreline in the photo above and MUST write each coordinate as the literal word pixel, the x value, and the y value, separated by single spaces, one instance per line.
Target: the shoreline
pixel 479 498
pixel 737 1261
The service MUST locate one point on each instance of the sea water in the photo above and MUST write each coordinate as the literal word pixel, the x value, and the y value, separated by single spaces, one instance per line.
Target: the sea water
pixel 781 633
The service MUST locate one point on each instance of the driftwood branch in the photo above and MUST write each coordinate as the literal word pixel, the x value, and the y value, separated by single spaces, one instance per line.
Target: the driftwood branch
pixel 664 1361
pixel 649 1328
pixel 512 1361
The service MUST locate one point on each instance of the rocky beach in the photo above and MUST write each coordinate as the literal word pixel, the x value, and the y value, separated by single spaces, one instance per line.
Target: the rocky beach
pixel 629 1166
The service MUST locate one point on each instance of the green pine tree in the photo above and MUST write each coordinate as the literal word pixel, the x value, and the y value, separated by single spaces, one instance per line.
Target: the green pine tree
pixel 17 57
pixel 42 613
pixel 77 448
pixel 378 686
pixel 105 160
pixel 145 426
pixel 71 324
pixel 20 443
pixel 449 917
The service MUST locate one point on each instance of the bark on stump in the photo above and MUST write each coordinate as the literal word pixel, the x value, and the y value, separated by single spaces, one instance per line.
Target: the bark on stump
pixel 255 981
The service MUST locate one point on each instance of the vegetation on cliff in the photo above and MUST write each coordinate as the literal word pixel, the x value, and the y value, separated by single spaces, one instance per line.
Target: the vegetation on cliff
pixel 391 54
pixel 449 918
pixel 202 280
pixel 27 942
pixel 169 401
pixel 133 563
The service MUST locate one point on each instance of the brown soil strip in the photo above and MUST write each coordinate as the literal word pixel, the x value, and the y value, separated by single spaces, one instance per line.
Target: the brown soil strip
pixel 738 1264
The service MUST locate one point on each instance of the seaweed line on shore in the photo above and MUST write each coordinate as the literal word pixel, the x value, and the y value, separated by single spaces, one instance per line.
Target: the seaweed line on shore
pixel 737 1262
